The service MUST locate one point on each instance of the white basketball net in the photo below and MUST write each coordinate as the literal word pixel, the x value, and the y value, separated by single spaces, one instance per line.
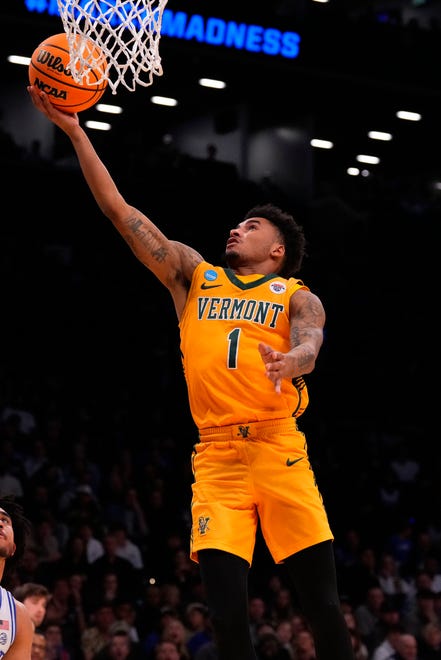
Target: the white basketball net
pixel 127 32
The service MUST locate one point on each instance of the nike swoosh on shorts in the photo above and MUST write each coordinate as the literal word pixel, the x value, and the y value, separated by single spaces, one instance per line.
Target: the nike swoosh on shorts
pixel 296 460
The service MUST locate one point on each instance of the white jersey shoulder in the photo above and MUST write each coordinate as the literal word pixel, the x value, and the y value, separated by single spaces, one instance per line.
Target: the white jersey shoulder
pixel 8 620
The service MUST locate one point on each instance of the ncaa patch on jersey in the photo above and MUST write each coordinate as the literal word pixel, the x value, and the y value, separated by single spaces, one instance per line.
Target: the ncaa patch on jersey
pixel 210 275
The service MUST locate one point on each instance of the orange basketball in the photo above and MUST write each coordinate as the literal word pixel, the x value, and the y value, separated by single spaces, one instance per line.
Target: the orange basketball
pixel 49 72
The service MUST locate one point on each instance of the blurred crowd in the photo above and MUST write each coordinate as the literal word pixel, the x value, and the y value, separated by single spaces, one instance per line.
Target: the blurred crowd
pixel 107 575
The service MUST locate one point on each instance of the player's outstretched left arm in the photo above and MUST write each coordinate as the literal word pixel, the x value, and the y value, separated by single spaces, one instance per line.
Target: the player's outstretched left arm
pixel 171 262
pixel 307 320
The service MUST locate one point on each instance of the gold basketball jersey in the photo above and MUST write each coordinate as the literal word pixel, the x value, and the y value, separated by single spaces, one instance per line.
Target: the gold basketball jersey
pixel 224 319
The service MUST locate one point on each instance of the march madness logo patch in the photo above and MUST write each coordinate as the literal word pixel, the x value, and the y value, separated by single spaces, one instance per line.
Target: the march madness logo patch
pixel 278 287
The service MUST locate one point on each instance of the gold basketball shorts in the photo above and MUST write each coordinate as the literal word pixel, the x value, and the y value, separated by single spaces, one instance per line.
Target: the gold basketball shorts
pixel 249 472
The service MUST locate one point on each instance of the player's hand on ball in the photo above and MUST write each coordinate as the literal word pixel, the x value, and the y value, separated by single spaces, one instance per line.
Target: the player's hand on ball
pixel 41 101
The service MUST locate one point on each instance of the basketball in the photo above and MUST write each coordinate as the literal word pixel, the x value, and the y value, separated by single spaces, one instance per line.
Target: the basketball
pixel 49 72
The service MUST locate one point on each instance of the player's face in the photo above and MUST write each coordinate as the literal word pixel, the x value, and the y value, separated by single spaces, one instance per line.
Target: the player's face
pixel 252 241
pixel 7 545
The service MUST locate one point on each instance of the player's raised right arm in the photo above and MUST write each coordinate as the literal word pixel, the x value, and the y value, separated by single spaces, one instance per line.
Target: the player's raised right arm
pixel 172 262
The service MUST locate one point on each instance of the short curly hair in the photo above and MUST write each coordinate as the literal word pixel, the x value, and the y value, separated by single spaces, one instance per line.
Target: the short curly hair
pixel 20 524
pixel 291 232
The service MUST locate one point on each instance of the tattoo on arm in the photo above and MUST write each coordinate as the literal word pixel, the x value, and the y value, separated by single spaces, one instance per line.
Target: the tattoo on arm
pixel 147 237
pixel 305 355
pixel 306 332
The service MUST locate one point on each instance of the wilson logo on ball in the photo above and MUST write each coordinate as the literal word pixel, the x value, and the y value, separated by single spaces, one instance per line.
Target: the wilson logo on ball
pixel 46 59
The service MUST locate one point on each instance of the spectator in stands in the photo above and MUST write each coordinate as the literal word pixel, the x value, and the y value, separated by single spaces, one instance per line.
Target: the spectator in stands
pixel 421 580
pixel 76 584
pixel 110 562
pixel 361 575
pixel 30 569
pixel 134 517
pixel 207 651
pixel 18 411
pixel 389 615
pixel 184 572
pixel 388 647
pixel 39 647
pixel 34 597
pixel 73 558
pixel 171 596
pixel 263 629
pixel 424 611
pixel 155 630
pixel 175 631
pixel 82 508
pixel 126 548
pixel 63 609
pixel 368 614
pixel 94 547
pixel 389 495
pixel 10 482
pixel 199 626
pixel 298 623
pixel 401 545
pixel 430 641
pixel 269 647
pixel 11 449
pixel 257 614
pixel 46 542
pixel 165 650
pixel 119 647
pixel 35 459
pixel 282 605
pixel 60 607
pixel 284 632
pixel 56 646
pixel 360 649
pixel 126 612
pixel 109 591
pixel 395 587
pixel 304 648
pixel 431 564
pixel 149 607
pixel 99 630
pixel 407 648
pixel 404 465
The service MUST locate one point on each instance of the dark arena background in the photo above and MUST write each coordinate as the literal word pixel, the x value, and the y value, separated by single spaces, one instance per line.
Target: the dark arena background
pixel 91 387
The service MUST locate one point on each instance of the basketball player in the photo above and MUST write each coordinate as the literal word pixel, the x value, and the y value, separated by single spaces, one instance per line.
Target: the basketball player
pixel 16 627
pixel 249 332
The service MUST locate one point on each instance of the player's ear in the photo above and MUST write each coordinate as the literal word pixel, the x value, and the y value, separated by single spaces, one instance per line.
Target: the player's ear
pixel 278 250
pixel 14 548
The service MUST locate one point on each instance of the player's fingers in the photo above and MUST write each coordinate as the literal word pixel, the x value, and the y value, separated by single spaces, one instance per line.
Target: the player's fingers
pixel 265 350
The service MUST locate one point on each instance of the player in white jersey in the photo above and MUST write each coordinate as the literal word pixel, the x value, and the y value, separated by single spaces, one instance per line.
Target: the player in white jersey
pixel 16 627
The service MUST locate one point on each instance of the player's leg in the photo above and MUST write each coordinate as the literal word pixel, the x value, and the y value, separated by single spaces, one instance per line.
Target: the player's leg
pixel 225 578
pixel 313 574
